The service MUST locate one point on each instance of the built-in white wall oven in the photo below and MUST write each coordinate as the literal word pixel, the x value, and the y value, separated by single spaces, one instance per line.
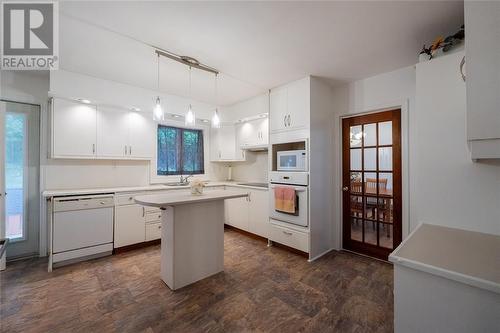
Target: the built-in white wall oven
pixel 298 182
pixel 291 160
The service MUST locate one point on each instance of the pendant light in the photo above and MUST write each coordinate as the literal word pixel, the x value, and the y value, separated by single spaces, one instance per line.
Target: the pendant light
pixel 216 118
pixel 158 114
pixel 190 118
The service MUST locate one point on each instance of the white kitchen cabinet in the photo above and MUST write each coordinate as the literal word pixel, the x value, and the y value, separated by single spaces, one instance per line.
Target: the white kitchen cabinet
pixel 482 48
pixel 85 131
pixel 73 129
pixel 290 106
pixel 223 144
pixel 258 213
pixel 112 132
pixel 298 104
pixel 278 109
pixel 236 213
pixel 130 226
pixel 142 134
pixel 249 214
pixel 253 133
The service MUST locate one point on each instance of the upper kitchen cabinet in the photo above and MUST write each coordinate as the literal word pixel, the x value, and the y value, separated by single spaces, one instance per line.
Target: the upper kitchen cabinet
pixel 253 133
pixel 73 129
pixel 482 47
pixel 223 146
pixel 290 106
pixel 112 131
pixel 86 131
pixel 141 135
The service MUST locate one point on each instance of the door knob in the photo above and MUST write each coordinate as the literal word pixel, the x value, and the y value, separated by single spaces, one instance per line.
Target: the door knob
pixel 345 188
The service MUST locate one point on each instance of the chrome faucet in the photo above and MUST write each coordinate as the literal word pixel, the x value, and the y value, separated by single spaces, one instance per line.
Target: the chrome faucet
pixel 184 180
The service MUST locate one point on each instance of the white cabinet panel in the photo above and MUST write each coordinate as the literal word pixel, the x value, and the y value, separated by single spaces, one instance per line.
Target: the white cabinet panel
pixel 73 129
pixel 252 133
pixel 142 134
pixel 129 225
pixel 258 213
pixel 236 213
pixel 278 109
pixel 263 128
pixel 153 231
pixel 223 144
pixel 112 132
pixel 298 104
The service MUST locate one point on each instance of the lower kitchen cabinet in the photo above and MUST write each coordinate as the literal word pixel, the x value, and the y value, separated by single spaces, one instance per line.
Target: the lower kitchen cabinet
pixel 249 214
pixel 130 225
pixel 153 231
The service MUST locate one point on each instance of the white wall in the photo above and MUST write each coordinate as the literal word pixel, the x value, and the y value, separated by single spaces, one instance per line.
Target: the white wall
pixel 253 169
pixel 450 189
pixel 441 184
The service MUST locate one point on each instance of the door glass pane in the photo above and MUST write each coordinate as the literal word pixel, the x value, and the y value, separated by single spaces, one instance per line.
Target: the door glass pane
pixel 355 136
pixel 370 208
pixel 385 159
pixel 15 136
pixel 386 235
pixel 356 183
pixel 370 159
pixel 385 133
pixel 385 184
pixel 355 159
pixel 385 210
pixel 357 229
pixel 370 183
pixel 370 134
pixel 371 232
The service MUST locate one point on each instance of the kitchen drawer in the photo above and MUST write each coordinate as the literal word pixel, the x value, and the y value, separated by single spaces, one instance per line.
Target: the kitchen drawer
pixel 153 231
pixel 153 216
pixel 126 199
pixel 150 209
pixel 290 237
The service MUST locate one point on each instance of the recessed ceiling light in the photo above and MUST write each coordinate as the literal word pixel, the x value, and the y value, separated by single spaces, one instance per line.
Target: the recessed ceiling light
pixel 205 120
pixel 263 115
pixel 176 116
pixel 135 109
pixel 83 100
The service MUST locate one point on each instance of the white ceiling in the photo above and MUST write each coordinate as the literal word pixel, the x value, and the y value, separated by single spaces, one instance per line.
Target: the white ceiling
pixel 256 45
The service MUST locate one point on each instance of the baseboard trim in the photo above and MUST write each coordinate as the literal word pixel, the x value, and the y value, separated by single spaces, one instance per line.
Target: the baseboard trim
pixel 132 247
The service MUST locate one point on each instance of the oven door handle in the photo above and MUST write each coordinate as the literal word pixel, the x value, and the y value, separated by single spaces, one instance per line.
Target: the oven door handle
pixel 296 189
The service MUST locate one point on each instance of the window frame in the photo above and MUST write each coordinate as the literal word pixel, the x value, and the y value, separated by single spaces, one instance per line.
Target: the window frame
pixel 181 129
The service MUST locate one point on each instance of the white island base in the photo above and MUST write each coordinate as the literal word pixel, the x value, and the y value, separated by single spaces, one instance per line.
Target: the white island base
pixel 192 237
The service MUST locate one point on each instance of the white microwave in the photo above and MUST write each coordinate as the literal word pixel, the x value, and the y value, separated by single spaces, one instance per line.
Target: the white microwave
pixel 292 160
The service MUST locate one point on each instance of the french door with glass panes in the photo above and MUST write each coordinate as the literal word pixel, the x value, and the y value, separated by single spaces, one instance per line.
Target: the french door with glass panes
pixel 371 172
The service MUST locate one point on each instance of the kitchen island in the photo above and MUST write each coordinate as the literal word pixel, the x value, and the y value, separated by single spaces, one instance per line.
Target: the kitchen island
pixel 192 236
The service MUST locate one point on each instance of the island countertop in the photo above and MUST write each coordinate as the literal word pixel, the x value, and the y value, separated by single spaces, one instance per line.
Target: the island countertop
pixel 181 198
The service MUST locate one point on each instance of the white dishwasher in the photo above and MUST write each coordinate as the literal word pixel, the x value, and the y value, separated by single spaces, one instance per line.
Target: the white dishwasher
pixel 82 228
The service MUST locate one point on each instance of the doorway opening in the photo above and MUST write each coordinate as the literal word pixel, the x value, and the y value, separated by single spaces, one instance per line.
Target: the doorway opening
pixel 20 124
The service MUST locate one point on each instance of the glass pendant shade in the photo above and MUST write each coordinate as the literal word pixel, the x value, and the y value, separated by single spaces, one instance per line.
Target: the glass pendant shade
pixel 216 119
pixel 190 117
pixel 158 114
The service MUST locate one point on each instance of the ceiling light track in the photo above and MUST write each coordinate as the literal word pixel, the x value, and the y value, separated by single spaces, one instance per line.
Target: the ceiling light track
pixel 188 61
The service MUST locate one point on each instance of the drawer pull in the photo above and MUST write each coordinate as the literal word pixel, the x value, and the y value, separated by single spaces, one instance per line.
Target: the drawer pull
pixel 287 233
pixel 159 227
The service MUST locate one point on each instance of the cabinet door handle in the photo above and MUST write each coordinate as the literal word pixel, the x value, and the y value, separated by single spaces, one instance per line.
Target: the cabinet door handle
pixel 125 150
pixel 93 148
pixel 289 120
pixel 130 150
pixel 143 211
pixel 284 121
pixel 287 233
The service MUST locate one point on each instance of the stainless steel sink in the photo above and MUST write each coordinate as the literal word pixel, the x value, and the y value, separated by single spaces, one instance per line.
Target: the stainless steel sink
pixel 177 184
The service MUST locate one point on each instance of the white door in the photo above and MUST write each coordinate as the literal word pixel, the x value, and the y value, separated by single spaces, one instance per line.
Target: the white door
pixel 278 109
pixel 263 130
pixel 258 217
pixel 142 134
pixel 298 104
pixel 74 129
pixel 130 225
pixel 21 164
pixel 112 132
pixel 237 213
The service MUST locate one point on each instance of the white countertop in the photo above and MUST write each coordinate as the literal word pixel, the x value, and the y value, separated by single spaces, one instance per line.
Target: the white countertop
pixel 182 198
pixel 157 187
pixel 465 256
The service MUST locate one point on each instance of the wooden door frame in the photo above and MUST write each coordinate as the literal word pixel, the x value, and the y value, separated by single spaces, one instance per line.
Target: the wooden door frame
pixel 399 157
